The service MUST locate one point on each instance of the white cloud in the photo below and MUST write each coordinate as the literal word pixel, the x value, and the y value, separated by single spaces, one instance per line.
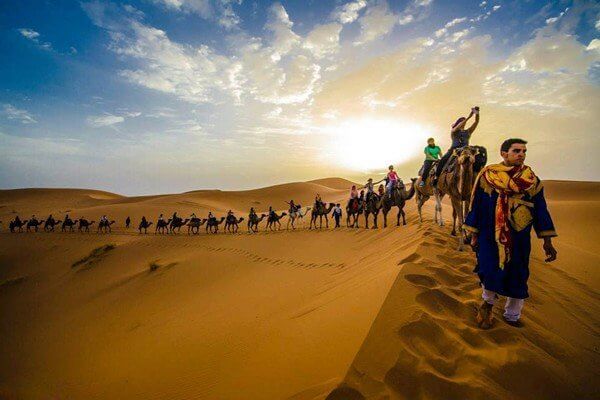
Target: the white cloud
pixel 348 12
pixel 220 11
pixel 455 21
pixel 594 45
pixel 496 8
pixel 377 22
pixel 323 40
pixel 406 19
pixel 29 33
pixel 483 4
pixel 13 113
pixel 279 23
pixel 34 36
pixel 441 32
pixel 104 120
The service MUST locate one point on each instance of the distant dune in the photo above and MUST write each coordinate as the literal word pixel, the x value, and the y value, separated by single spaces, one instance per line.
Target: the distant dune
pixel 337 314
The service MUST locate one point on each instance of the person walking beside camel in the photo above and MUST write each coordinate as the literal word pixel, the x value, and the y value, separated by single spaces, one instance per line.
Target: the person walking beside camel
pixel 507 201
pixel 337 214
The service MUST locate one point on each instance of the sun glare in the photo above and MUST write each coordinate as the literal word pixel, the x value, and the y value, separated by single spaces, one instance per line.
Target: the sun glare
pixel 370 144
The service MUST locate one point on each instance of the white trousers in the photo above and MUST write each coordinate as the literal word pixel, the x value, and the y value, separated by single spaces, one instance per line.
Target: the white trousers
pixel 512 308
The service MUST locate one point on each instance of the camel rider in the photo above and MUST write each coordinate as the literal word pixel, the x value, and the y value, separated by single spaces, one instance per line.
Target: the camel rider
pixel 353 193
pixel 318 201
pixel 370 186
pixel 144 222
pixel 104 219
pixel 361 197
pixel 460 138
pixel 49 219
pixel 175 217
pixel 432 153
pixel 252 212
pixel 271 212
pixel 293 207
pixel 392 180
pixel 211 217
pixel 161 218
pixel 193 217
pixel 381 190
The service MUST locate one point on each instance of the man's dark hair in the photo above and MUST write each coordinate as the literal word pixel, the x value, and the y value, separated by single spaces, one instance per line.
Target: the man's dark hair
pixel 509 142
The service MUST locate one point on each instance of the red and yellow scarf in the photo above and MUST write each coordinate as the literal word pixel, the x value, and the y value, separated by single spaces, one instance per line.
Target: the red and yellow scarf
pixel 507 181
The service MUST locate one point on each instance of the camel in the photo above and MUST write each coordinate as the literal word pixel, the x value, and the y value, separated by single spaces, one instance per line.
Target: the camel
pixel 212 225
pixel 296 213
pixel 162 226
pixel 372 207
pixel 50 224
pixel 68 223
pixel 320 210
pixel 457 181
pixel 177 223
pixel 253 221
pixel 423 193
pixel 17 224
pixel 84 225
pixel 398 199
pixel 195 224
pixel 274 219
pixel 144 225
pixel 231 223
pixel 104 226
pixel 354 209
pixel 33 223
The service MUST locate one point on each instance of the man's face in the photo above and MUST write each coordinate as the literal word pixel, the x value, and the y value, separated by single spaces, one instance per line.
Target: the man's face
pixel 431 142
pixel 515 155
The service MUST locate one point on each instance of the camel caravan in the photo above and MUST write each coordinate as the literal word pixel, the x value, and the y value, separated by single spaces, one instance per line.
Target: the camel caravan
pixel 452 174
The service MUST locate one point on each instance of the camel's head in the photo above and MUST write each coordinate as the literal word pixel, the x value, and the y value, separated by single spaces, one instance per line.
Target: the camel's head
pixel 467 156
pixel 283 214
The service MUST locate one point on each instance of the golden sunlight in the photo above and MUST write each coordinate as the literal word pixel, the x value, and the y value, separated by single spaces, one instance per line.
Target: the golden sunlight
pixel 368 144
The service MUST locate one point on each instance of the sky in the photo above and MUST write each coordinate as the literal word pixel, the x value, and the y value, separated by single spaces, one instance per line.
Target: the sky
pixel 163 96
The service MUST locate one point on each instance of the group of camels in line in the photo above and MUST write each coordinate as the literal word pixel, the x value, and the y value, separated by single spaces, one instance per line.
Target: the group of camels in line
pixel 456 181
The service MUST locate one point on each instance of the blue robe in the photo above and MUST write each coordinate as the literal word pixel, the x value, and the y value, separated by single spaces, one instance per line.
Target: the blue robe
pixel 512 280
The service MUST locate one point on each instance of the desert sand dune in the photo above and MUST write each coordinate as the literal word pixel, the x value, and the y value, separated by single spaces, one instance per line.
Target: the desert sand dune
pixel 352 313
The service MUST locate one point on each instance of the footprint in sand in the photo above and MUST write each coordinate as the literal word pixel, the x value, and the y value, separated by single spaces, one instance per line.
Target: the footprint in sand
pixel 411 258
pixel 422 280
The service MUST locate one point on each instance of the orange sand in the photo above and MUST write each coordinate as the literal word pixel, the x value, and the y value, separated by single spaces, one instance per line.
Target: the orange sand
pixel 349 314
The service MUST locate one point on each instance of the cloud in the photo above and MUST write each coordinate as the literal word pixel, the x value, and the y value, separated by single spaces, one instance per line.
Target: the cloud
pixel 29 33
pixel 455 21
pixel 34 36
pixel 375 23
pixel 104 120
pixel 13 113
pixel 406 19
pixel 594 45
pixel 323 40
pixel 219 11
pixel 348 12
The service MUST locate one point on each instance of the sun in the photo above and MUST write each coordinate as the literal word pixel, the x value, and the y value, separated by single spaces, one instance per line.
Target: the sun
pixel 367 144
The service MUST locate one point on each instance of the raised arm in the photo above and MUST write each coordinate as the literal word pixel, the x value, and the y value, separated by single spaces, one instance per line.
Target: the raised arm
pixel 462 124
pixel 474 125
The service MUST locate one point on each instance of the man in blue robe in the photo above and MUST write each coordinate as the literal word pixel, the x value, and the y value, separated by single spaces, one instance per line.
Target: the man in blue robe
pixel 507 201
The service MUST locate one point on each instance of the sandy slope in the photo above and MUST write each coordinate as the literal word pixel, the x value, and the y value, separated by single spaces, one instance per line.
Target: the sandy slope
pixel 384 314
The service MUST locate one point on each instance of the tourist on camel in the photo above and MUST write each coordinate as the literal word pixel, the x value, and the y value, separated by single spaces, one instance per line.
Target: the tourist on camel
pixel 460 138
pixel 432 154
